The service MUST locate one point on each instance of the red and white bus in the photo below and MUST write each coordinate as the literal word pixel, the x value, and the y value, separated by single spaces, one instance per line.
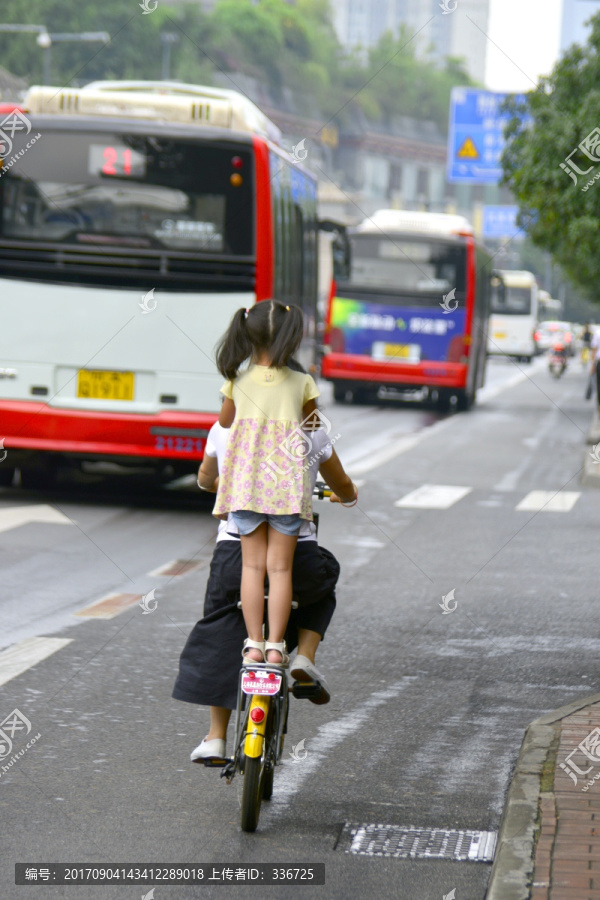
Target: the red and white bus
pixel 140 219
pixel 411 310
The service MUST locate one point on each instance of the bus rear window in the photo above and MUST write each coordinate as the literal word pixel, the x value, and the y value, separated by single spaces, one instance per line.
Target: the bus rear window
pixel 511 300
pixel 131 190
pixel 400 265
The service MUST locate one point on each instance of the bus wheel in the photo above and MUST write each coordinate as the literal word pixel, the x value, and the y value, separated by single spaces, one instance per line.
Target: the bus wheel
pixel 464 400
pixel 7 474
pixel 443 401
pixel 38 477
pixel 342 394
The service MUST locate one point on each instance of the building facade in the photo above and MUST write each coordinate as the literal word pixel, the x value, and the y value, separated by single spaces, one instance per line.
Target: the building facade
pixel 458 30
pixel 575 14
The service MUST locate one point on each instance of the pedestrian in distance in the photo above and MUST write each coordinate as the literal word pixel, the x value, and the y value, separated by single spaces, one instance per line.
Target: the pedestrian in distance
pixel 263 482
pixel 594 366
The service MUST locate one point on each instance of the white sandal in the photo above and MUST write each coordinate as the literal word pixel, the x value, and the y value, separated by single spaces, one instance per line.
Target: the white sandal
pixel 249 644
pixel 280 648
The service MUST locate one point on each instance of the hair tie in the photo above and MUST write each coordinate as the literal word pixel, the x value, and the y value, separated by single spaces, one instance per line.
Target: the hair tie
pixel 288 309
pixel 247 312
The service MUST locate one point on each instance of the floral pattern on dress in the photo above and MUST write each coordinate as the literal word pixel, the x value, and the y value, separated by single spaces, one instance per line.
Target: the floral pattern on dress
pixel 265 469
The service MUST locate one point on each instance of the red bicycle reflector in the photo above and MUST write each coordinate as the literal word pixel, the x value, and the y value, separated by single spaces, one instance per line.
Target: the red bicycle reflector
pixel 272 676
pixel 251 674
pixel 257 715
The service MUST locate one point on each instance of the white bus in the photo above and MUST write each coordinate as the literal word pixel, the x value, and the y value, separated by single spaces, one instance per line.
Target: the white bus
pixel 514 315
pixel 142 217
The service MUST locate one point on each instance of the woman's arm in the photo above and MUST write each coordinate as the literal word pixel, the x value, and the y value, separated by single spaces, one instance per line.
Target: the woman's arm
pixel 227 414
pixel 332 470
pixel 310 407
pixel 208 474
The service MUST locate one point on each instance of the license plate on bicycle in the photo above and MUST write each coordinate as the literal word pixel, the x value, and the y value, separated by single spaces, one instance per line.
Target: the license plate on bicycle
pixel 257 682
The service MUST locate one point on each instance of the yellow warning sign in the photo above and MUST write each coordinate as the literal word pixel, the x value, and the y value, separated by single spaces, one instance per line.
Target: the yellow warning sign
pixel 468 150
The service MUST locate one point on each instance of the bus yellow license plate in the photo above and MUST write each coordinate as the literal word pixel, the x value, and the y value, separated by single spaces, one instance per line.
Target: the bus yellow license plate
pixel 100 384
pixel 405 352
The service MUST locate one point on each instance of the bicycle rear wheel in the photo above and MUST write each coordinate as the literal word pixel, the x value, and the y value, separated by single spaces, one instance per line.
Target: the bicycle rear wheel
pixel 252 792
pixel 258 779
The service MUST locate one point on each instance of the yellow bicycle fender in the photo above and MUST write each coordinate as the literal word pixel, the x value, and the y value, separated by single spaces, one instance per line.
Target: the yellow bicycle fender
pixel 253 745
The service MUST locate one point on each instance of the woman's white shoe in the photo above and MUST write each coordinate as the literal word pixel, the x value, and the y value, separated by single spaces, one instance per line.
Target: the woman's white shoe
pixel 214 749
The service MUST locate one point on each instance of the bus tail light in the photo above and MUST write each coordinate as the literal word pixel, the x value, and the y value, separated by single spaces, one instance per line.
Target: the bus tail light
pixel 459 349
pixel 334 338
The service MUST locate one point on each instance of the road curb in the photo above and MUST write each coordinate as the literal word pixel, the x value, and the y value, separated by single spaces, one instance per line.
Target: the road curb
pixel 512 871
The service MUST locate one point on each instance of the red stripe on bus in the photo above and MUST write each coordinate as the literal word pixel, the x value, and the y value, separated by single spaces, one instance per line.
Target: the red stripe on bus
pixel 264 221
pixel 470 294
pixel 329 312
pixel 353 367
pixel 35 426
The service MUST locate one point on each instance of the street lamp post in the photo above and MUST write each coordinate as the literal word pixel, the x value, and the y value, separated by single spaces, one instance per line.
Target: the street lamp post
pixel 167 39
pixel 45 40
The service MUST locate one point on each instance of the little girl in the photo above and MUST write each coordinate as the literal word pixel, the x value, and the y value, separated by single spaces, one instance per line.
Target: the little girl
pixel 263 482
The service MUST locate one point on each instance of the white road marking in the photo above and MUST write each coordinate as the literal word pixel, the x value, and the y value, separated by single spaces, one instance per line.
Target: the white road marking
pixel 549 501
pixel 378 458
pixel 28 653
pixel 292 774
pixel 369 542
pixel 489 392
pixel 14 516
pixel 382 448
pixel 433 496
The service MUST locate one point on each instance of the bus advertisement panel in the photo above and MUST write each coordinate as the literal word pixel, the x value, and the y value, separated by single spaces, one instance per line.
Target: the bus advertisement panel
pixel 411 311
pixel 396 332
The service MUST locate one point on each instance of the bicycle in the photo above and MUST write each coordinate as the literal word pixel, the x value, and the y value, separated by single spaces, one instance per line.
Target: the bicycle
pixel 261 723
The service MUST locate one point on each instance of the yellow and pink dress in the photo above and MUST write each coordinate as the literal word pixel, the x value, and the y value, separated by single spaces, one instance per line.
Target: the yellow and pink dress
pixel 265 465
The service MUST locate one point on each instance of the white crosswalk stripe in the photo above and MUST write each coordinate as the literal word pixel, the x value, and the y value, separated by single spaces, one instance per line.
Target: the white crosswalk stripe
pixel 433 496
pixel 548 501
pixel 28 653
pixel 14 516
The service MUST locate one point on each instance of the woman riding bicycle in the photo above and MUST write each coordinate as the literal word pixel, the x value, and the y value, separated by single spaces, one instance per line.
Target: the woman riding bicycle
pixel 209 664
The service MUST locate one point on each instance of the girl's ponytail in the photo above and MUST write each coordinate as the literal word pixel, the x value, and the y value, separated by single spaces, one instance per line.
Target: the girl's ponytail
pixel 235 346
pixel 289 329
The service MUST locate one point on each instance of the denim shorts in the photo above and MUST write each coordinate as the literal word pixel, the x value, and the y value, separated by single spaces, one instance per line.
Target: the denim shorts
pixel 248 521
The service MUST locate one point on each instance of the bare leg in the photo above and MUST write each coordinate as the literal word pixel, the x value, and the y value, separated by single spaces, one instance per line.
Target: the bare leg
pixel 219 720
pixel 280 555
pixel 308 641
pixel 254 567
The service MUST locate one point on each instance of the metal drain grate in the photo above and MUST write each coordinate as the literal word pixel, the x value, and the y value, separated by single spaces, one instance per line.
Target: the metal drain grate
pixel 407 842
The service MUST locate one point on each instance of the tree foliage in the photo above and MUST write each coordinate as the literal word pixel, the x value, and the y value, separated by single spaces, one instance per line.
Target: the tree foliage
pixel 291 50
pixel 561 211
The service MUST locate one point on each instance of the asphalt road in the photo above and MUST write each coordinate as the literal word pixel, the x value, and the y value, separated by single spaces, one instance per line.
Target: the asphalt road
pixel 428 708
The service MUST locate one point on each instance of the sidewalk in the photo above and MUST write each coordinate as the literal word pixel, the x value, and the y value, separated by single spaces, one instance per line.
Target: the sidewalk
pixel 549 843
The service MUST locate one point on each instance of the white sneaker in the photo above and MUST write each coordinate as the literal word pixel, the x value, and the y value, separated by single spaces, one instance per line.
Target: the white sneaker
pixel 214 749
pixel 303 670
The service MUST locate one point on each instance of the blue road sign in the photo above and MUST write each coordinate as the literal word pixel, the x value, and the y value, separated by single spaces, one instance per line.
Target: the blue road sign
pixel 476 135
pixel 501 222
